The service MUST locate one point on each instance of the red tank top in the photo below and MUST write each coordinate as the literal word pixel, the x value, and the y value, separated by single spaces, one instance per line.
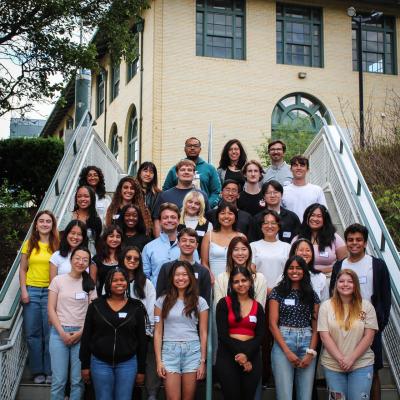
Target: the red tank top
pixel 247 325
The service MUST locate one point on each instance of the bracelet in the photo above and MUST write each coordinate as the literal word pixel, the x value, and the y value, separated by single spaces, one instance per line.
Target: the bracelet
pixel 312 352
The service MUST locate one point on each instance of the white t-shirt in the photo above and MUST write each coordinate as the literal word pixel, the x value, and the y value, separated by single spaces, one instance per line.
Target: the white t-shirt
pixel 102 205
pixel 363 269
pixel 298 198
pixel 63 264
pixel 269 259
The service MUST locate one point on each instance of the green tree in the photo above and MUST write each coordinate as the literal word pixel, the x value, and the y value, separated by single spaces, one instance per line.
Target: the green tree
pixel 37 37
pixel 29 165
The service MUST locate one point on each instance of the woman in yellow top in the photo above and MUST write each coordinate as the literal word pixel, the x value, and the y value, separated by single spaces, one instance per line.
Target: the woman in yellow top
pixel 34 280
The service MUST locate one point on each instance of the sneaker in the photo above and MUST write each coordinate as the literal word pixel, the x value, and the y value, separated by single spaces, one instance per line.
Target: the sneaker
pixel 48 379
pixel 39 379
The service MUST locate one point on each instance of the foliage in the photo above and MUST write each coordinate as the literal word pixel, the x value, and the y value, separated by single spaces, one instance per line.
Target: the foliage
pixel 297 135
pixel 29 164
pixel 38 38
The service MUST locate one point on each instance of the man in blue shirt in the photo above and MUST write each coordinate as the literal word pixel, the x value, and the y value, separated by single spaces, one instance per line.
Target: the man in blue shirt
pixel 206 173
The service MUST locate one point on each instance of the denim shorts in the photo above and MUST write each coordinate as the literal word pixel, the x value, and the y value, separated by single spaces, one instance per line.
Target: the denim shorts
pixel 181 357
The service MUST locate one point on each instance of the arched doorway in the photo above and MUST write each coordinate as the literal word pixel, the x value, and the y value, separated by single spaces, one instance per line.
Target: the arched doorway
pixel 133 143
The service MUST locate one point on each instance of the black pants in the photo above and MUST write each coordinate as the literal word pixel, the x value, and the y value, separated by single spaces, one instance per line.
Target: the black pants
pixel 237 384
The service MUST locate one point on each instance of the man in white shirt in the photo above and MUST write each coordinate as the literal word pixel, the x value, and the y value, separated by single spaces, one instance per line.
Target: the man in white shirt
pixel 299 194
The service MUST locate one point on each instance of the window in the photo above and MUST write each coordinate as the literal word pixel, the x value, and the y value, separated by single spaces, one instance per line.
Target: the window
pixel 114 141
pixel 133 144
pixel 298 35
pixel 132 67
pixel 114 81
pixel 220 30
pixel 70 123
pixel 101 78
pixel 378 54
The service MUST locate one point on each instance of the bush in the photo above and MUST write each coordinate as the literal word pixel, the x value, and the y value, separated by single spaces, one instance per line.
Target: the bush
pixel 29 164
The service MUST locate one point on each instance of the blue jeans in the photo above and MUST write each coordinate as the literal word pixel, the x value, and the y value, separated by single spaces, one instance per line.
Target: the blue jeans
pixel 113 382
pixel 298 340
pixel 61 357
pixel 37 330
pixel 352 385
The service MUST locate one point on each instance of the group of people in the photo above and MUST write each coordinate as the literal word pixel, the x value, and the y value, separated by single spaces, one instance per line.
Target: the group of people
pixel 123 298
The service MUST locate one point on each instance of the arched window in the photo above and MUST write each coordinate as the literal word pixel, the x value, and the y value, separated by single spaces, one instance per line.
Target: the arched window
pixel 133 144
pixel 114 141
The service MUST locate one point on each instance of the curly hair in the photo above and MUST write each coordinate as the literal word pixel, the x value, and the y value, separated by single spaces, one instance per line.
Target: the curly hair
pixel 100 187
pixel 225 161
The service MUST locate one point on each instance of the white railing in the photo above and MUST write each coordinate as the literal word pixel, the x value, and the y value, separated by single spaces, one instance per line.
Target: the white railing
pixel 85 148
pixel 334 167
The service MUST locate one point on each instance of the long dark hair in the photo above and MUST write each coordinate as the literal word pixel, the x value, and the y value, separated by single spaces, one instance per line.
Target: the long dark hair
pixel 191 295
pixel 284 287
pixel 139 276
pixel 87 282
pixel 65 248
pixel 326 235
pixel 230 264
pixel 231 207
pixel 154 183
pixel 100 187
pixel 225 160
pixel 140 226
pixel 295 246
pixel 233 295
pixel 103 251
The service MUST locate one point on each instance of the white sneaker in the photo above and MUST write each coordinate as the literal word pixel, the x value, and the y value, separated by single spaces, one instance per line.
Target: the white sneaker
pixel 48 379
pixel 39 379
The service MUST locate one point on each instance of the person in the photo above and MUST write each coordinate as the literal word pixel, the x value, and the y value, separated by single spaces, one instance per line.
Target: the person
pixel 230 194
pixel 128 191
pixel 107 256
pixel 93 176
pixel 85 211
pixel 304 248
pixel 215 243
pixel 185 171
pixel 142 289
pixel 293 310
pixel 299 194
pixel 269 253
pixel 148 180
pixel 328 246
pixel 374 279
pixel 74 235
pixel 272 192
pixel 347 324
pixel 233 158
pixel 192 215
pixel 113 342
pixel 241 327
pixel 69 298
pixel 279 170
pixel 251 199
pixel 180 336
pixel 133 227
pixel 206 177
pixel 187 243
pixel 165 247
pixel 34 281
pixel 240 255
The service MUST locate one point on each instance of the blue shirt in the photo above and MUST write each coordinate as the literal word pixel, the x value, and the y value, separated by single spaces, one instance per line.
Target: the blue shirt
pixel 158 252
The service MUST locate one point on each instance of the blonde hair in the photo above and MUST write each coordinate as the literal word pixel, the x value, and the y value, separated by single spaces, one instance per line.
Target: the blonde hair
pixel 355 306
pixel 190 196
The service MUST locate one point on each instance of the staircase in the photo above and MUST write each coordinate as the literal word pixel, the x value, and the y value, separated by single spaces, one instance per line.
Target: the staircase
pixel 333 168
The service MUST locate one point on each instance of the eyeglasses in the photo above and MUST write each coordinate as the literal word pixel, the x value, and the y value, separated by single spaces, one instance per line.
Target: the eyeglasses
pixel 270 223
pixel 192 146
pixel 230 191
pixel 80 259
pixel 275 149
pixel 272 193
pixel 132 258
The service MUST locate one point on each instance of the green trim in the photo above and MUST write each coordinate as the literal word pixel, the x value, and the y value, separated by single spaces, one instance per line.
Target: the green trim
pixel 133 142
pixel 115 81
pixel 100 97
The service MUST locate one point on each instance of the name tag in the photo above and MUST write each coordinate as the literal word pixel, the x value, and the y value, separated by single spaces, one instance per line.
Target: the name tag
pixel 116 216
pixel 122 314
pixel 80 296
pixel 200 233
pixel 290 302
pixel 156 318
pixel 362 280
pixel 197 175
pixel 324 254
pixel 286 234
pixel 196 274
pixel 253 318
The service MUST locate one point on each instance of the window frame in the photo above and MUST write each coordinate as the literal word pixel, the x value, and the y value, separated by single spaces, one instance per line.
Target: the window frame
pixel 100 93
pixel 312 22
pixel 133 143
pixel 115 81
pixel 206 10
pixel 131 69
pixel 114 142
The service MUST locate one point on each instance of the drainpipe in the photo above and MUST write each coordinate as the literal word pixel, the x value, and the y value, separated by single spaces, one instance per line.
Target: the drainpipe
pixel 105 106
pixel 82 94
pixel 140 29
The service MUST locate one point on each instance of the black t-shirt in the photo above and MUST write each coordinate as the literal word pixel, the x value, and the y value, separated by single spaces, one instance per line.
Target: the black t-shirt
pixel 252 203
pixel 237 176
pixel 102 271
pixel 139 240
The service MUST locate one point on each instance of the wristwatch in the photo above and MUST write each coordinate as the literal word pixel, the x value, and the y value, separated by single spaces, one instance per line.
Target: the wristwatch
pixel 312 352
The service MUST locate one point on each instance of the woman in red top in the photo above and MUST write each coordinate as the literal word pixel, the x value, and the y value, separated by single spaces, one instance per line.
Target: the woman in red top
pixel 241 327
